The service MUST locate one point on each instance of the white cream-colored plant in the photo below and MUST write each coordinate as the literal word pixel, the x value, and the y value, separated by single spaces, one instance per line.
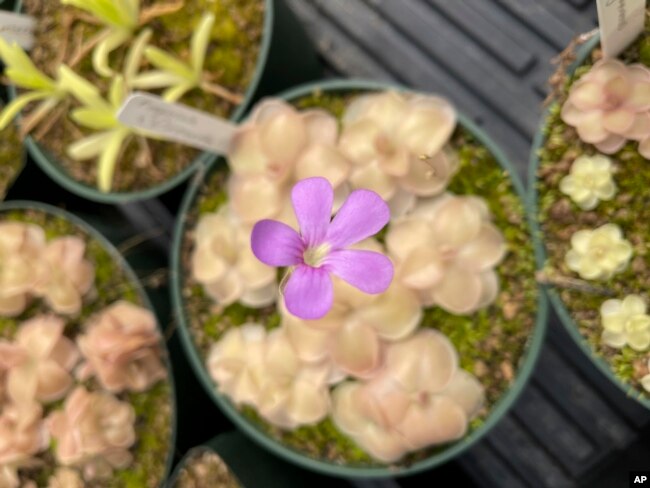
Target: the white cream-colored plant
pixel 599 254
pixel 626 323
pixel 590 181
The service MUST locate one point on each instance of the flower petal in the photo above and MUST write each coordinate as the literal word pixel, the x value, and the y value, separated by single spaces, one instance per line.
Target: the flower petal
pixel 276 244
pixel 312 201
pixel 362 215
pixel 309 292
pixel 369 271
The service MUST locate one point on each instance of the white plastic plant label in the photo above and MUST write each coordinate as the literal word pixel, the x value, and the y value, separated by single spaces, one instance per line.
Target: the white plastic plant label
pixel 17 28
pixel 176 122
pixel 621 21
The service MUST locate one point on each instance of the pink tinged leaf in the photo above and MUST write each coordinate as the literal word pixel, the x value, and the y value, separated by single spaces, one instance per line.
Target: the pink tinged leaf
pixel 346 412
pixel 362 215
pixel 436 421
pixel 587 95
pixel 426 362
pixel 591 129
pixel 356 349
pixel 394 315
pixel 325 161
pixel 312 201
pixel 53 382
pixel 641 127
pixel 571 114
pixel 384 401
pixel 309 403
pixel 276 244
pixel 309 292
pixel 22 383
pixel 428 177
pixel 644 148
pixel 370 272
pixel 611 144
pixel 311 344
pixel 639 99
pixel 484 252
pixel 372 177
pixel 382 444
pixel 467 392
pixel 321 126
pixel 619 121
pixel 459 291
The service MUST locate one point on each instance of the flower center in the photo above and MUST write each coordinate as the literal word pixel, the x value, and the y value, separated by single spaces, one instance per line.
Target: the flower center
pixel 314 256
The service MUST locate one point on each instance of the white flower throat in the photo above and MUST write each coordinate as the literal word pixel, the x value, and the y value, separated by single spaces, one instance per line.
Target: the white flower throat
pixel 314 256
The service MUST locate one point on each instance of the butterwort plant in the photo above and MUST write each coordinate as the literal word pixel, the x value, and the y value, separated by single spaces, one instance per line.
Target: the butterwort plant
pixel 322 247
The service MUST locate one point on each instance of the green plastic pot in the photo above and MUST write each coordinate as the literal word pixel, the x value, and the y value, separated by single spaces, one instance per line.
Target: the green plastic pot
pixel 533 202
pixel 284 43
pixel 252 466
pixel 249 428
pixel 128 271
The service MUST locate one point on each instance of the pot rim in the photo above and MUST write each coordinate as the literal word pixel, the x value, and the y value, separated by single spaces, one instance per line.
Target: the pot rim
pixel 50 164
pixel 120 260
pixel 527 362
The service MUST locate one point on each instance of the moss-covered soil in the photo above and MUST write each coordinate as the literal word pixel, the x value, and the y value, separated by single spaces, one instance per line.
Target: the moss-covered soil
pixel 154 408
pixel 230 62
pixel 629 209
pixel 491 342
pixel 204 468
pixel 11 158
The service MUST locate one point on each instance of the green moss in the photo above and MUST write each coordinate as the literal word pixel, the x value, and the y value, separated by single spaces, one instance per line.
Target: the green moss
pixel 153 408
pixel 490 343
pixel 11 158
pixel 203 467
pixel 560 218
pixel 231 61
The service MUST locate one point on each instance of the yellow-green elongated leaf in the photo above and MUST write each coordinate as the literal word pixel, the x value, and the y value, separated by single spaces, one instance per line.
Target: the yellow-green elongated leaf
pixel 20 68
pixel 174 93
pixel 108 160
pixel 103 50
pixel 117 93
pixel 156 79
pixel 89 147
pixel 13 109
pixel 200 42
pixel 94 119
pixel 80 88
pixel 134 56
pixel 106 11
pixel 129 9
pixel 166 62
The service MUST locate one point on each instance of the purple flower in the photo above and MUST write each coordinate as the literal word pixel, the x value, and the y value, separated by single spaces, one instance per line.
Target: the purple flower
pixel 320 248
